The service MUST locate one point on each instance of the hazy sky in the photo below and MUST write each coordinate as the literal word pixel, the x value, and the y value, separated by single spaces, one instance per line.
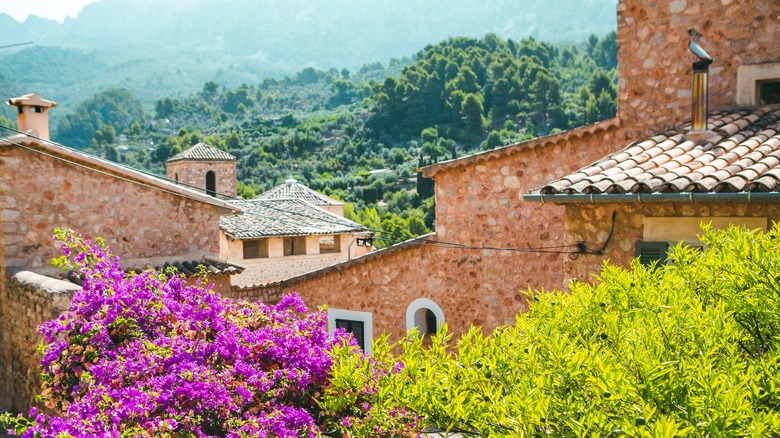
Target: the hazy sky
pixel 53 9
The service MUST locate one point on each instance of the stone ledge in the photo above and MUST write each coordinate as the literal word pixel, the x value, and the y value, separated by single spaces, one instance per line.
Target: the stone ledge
pixel 46 284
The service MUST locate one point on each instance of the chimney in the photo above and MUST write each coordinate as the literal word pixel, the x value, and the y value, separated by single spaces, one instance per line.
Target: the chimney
pixel 32 114
pixel 701 70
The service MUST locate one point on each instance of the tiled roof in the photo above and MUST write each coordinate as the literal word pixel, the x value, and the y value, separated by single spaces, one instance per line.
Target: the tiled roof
pixel 742 154
pixel 202 152
pixel 212 266
pixel 260 218
pixel 292 189
pixel 481 157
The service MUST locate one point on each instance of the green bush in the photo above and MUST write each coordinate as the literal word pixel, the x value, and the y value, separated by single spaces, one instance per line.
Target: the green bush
pixel 688 349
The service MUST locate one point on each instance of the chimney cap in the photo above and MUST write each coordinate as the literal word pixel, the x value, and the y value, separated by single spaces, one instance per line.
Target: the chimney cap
pixel 32 99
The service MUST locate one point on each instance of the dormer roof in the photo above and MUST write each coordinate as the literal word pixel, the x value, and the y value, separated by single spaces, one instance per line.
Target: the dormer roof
pixel 292 189
pixel 202 152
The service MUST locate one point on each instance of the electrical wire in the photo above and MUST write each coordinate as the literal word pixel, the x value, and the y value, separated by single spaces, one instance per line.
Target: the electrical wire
pixel 399 238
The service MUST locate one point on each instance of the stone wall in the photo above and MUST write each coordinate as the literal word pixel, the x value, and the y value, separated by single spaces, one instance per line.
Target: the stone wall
pixel 39 193
pixel 27 300
pixel 193 174
pixel 478 204
pixel 590 223
pixel 654 63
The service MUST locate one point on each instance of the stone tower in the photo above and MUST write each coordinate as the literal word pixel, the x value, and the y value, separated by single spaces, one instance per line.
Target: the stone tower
pixel 206 168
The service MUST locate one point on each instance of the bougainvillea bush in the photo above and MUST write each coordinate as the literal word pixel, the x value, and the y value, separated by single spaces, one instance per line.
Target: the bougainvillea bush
pixel 150 355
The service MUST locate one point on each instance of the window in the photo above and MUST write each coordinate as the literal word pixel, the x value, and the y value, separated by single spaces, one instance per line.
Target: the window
pixel 211 183
pixel 294 246
pixel 20 109
pixel 649 252
pixel 330 244
pixel 255 249
pixel 357 328
pixel 424 315
pixel 769 93
pixel 37 109
pixel 360 324
pixel 758 84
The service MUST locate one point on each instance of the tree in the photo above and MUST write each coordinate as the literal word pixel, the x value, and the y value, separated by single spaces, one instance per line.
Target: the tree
pixel 473 120
pixel 687 349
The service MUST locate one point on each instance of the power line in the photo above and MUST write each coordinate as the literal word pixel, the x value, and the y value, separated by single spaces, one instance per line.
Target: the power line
pixel 16 45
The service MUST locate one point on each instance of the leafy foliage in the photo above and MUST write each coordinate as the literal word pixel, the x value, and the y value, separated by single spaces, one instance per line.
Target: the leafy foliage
pixel 688 349
pixel 115 109
pixel 150 355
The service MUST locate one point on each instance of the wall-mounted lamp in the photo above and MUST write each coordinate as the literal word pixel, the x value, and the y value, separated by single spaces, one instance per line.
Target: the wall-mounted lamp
pixel 365 241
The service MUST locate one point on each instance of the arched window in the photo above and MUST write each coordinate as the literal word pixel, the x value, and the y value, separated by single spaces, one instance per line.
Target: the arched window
pixel 211 183
pixel 176 176
pixel 424 315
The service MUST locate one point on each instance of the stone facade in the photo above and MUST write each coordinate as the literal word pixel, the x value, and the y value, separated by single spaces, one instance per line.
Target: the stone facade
pixel 277 266
pixel 39 193
pixel 591 223
pixel 478 203
pixel 27 300
pixel 193 174
pixel 654 63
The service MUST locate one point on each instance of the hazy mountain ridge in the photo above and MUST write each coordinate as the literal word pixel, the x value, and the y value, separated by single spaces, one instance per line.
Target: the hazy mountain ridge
pixel 160 48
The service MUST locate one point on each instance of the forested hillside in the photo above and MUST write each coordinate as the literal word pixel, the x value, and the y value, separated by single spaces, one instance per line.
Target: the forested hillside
pixel 359 136
pixel 159 48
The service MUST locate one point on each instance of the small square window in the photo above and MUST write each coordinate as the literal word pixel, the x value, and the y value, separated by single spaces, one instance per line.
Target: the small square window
pixel 330 244
pixel 769 93
pixel 357 328
pixel 255 249
pixel 294 246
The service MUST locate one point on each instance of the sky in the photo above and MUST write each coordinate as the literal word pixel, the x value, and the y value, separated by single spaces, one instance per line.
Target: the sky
pixel 52 9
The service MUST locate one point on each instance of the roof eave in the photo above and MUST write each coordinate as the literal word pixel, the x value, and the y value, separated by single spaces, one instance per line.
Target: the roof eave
pixel 58 151
pixel 653 198
pixel 432 170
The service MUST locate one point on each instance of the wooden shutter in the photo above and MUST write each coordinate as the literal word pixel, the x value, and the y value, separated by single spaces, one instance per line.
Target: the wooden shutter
pixel 649 252
pixel 354 327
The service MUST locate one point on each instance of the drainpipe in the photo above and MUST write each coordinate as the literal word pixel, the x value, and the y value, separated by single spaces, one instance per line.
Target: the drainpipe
pixel 649 198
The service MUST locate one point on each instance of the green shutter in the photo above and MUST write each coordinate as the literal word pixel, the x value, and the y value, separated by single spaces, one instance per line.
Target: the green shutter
pixel 356 328
pixel 649 252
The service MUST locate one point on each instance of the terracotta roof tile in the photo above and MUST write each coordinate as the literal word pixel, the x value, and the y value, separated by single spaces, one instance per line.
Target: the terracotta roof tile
pixel 742 154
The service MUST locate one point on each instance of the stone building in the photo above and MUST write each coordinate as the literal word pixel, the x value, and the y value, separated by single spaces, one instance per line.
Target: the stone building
pixel 150 222
pixel 205 168
pixel 491 243
pixel 277 238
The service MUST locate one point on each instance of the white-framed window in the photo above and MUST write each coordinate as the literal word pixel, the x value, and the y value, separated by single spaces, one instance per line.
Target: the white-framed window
pixel 360 324
pixel 758 84
pixel 424 315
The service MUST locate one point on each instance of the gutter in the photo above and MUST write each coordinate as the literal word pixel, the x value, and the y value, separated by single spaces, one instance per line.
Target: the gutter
pixel 650 198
